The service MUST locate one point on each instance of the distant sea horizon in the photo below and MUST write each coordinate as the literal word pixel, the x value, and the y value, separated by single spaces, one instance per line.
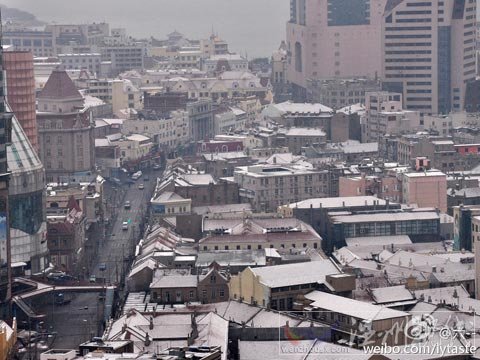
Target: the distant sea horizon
pixel 251 27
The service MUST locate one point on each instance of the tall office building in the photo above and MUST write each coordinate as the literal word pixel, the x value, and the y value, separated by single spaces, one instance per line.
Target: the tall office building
pixel 428 50
pixel 5 138
pixel 333 39
pixel 20 81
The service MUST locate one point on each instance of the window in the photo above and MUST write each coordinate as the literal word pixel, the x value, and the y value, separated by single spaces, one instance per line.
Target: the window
pixel 298 57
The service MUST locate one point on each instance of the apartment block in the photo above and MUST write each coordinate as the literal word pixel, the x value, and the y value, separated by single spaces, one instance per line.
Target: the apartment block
pixel 385 115
pixel 426 189
pixel 339 92
pixel 40 43
pixel 92 62
pixel 266 187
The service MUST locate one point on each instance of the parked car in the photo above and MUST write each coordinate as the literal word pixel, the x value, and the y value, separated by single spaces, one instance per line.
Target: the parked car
pixel 156 167
pixel 125 225
pixel 141 187
pixel 93 278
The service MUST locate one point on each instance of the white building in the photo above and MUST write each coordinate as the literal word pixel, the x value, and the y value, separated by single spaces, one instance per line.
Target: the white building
pixel 91 62
pixel 268 186
pixel 385 115
pixel 224 62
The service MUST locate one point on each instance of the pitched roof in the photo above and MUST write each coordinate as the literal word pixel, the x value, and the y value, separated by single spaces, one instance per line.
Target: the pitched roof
pixel 59 86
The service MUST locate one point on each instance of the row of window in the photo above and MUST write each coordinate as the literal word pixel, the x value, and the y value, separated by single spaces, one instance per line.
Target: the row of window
pixel 259 247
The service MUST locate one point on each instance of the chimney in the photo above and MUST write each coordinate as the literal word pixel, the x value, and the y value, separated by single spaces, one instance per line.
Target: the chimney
pixel 147 340
pixel 387 203
pixel 434 269
pixel 150 326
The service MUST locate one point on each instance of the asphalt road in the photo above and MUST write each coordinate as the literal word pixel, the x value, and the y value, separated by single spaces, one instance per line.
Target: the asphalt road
pixel 73 323
pixel 120 244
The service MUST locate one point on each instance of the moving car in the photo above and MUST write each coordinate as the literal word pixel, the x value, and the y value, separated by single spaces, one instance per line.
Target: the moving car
pixel 125 225
pixel 127 205
pixel 137 175
pixel 141 187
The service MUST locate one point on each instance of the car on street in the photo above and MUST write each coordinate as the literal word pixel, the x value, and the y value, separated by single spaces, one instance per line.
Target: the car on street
pixel 156 167
pixel 56 275
pixel 93 279
pixel 146 178
pixel 127 205
pixel 141 187
pixel 125 225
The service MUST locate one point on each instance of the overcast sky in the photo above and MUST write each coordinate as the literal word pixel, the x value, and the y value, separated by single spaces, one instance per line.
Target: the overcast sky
pixel 255 26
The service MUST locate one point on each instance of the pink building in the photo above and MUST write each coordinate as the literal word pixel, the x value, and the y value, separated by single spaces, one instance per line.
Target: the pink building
pixel 334 38
pixel 388 187
pixel 426 189
pixel 21 91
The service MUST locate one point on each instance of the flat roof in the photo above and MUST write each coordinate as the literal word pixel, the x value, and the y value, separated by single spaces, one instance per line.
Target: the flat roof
pixel 354 308
pixel 424 174
pixel 296 274
pixel 338 202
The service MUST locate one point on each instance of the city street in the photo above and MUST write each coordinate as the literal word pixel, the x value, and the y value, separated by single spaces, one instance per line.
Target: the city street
pixel 120 244
pixel 74 323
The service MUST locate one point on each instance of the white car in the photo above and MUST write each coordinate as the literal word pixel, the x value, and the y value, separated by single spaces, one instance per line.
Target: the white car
pixel 141 187
pixel 125 225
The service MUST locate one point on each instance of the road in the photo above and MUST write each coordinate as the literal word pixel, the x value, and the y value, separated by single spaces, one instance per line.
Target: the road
pixel 120 244
pixel 74 323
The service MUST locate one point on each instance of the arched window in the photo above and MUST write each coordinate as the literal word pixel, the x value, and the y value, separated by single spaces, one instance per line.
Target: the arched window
pixel 298 57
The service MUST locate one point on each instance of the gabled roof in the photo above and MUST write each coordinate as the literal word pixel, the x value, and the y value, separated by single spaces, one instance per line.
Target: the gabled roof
pixel 59 86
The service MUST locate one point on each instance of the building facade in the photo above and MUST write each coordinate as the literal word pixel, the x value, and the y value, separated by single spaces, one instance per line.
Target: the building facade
pixel 385 116
pixel 5 244
pixel 66 130
pixel 428 52
pixel 333 38
pixel 426 189
pixel 20 80
pixel 266 187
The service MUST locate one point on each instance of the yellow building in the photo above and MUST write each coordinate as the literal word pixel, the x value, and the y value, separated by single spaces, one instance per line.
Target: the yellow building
pixel 8 338
pixel 278 287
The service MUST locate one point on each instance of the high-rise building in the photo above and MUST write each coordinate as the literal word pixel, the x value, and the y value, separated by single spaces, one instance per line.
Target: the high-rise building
pixel 333 39
pixel 5 138
pixel 20 80
pixel 26 203
pixel 428 50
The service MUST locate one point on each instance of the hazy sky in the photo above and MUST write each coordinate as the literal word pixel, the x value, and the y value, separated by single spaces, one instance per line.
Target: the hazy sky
pixel 255 26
